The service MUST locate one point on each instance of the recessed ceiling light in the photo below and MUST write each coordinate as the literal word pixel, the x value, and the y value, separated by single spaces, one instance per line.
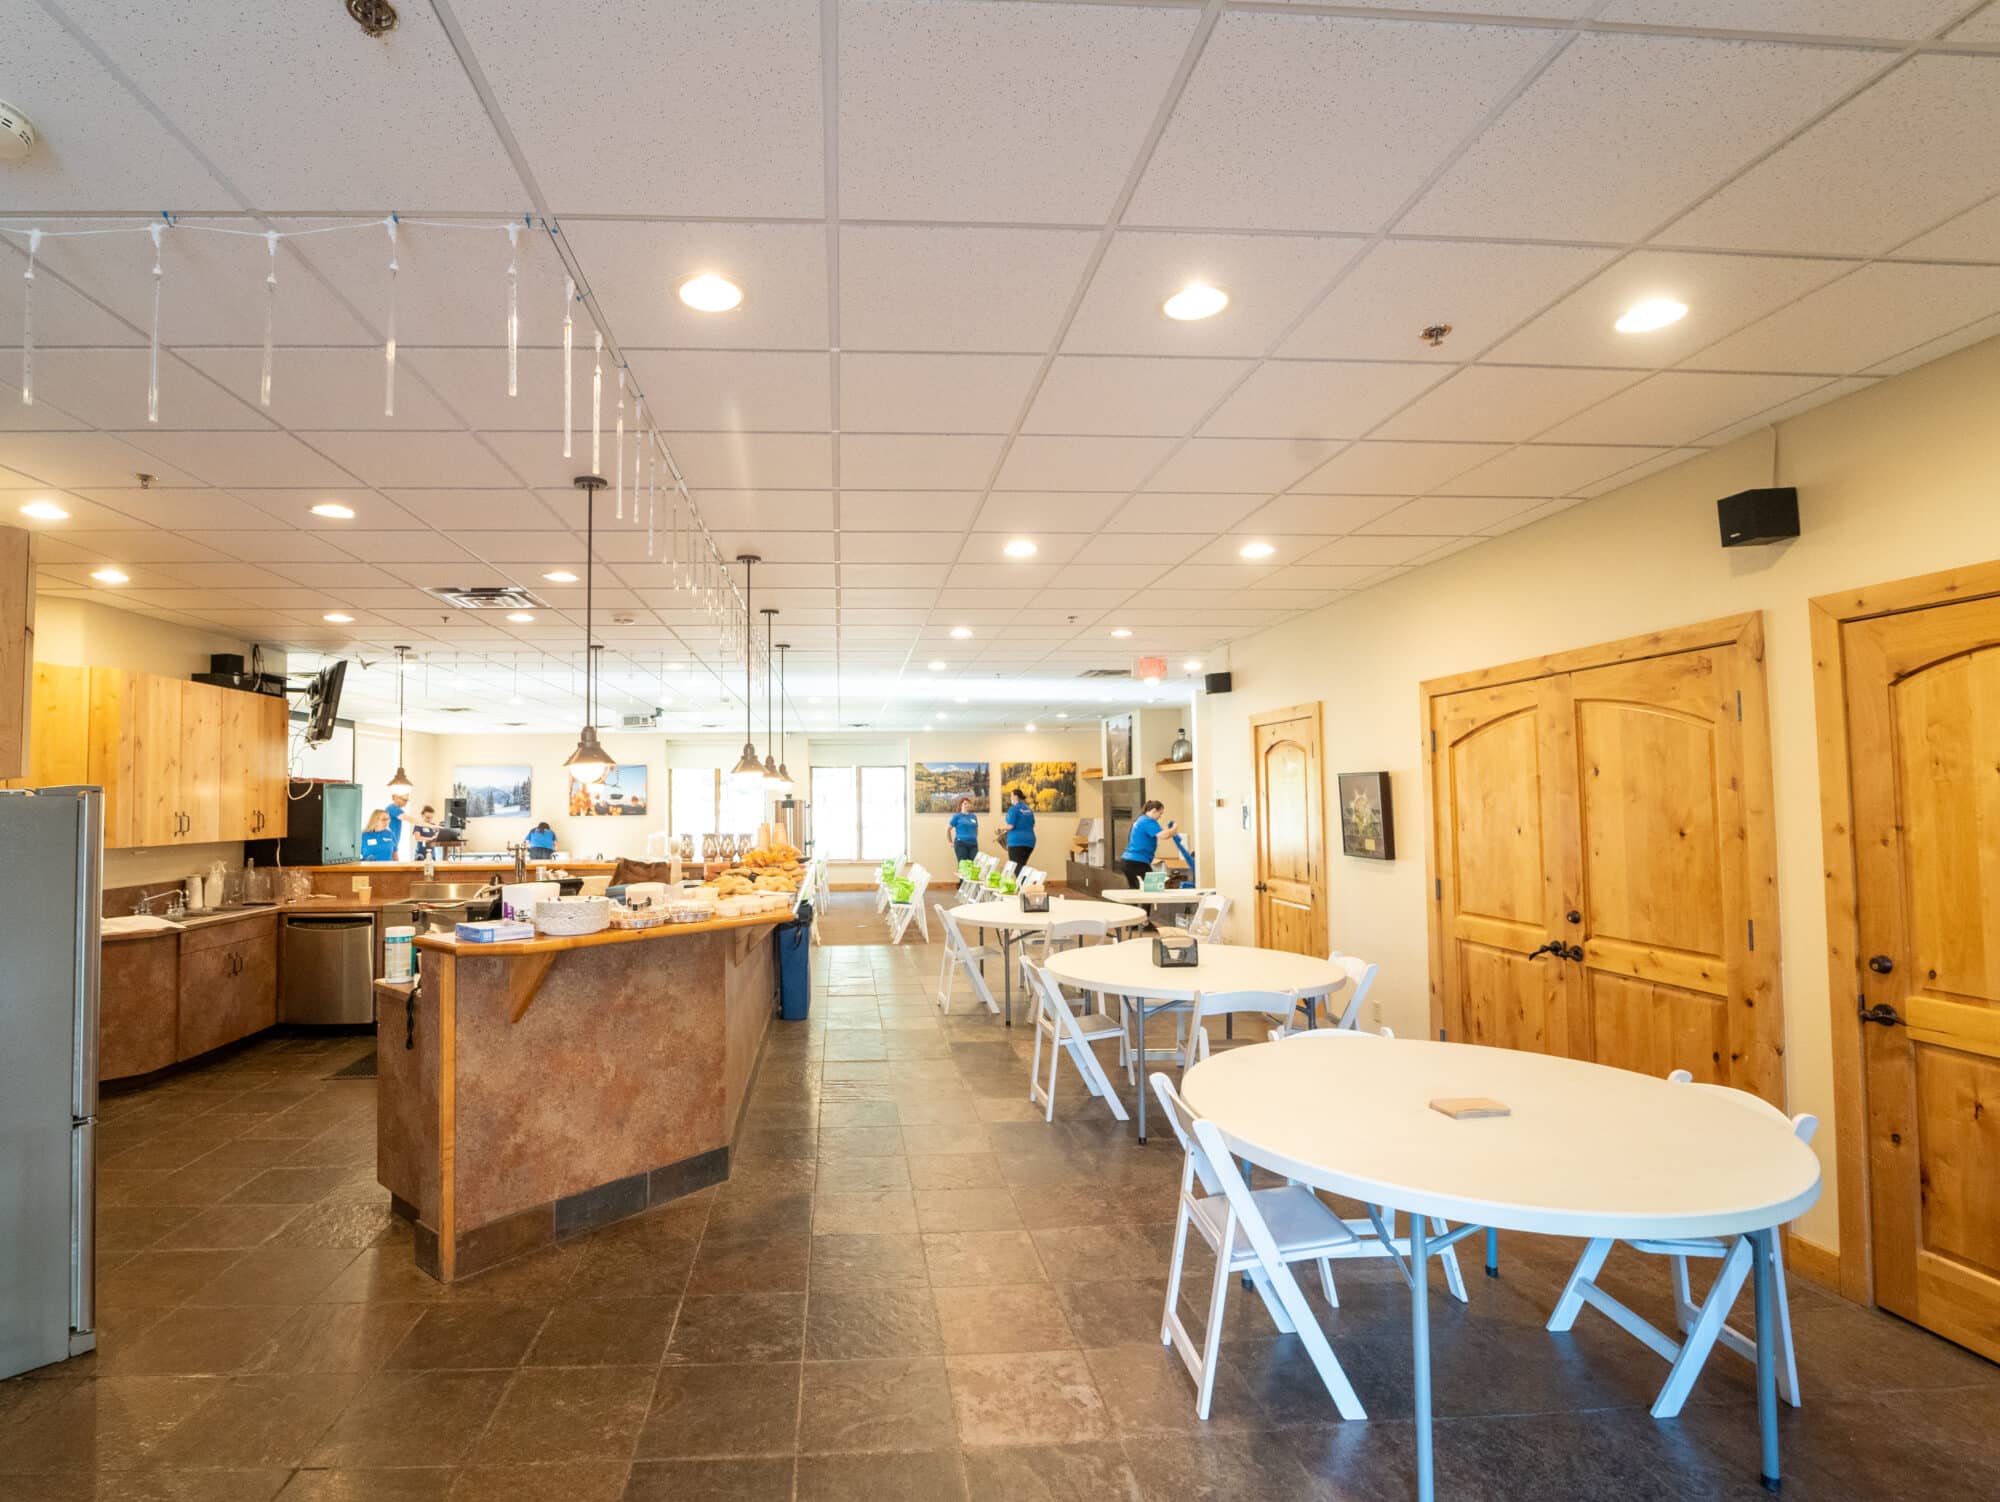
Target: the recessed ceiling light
pixel 335 618
pixel 709 293
pixel 1120 631
pixel 520 617
pixel 1190 666
pixel 45 511
pixel 1653 313
pixel 961 700
pixel 1031 727
pixel 961 633
pixel 560 576
pixel 937 667
pixel 1020 547
pixel 1255 550
pixel 111 576
pixel 676 667
pixel 1061 716
pixel 334 510
pixel 1195 300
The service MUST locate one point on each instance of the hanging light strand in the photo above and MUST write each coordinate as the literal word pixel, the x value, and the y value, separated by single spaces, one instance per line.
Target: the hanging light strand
pixel 597 406
pixel 389 341
pixel 270 317
pixel 153 357
pixel 569 403
pixel 28 321
pixel 618 452
pixel 513 310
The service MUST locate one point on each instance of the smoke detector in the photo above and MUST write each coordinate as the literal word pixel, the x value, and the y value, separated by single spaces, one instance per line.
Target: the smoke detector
pixel 17 134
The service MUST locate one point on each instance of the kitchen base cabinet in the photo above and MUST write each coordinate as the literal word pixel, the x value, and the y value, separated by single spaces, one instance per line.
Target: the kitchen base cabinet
pixel 228 982
pixel 138 1012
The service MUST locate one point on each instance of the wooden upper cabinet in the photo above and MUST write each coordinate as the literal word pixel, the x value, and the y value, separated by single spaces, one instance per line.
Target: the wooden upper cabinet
pixel 17 649
pixel 202 712
pixel 237 764
pixel 272 779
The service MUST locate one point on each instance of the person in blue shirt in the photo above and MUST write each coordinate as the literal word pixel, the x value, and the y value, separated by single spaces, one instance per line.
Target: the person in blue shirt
pixel 1020 832
pixel 965 831
pixel 542 839
pixel 378 837
pixel 1145 841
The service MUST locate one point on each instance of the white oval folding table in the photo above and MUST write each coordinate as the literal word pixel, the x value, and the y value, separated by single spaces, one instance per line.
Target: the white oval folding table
pixel 1004 915
pixel 1586 1150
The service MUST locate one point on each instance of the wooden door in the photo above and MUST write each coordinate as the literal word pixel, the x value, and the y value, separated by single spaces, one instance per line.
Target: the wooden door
pixel 273 779
pixel 202 714
pixel 1291 834
pixel 1923 716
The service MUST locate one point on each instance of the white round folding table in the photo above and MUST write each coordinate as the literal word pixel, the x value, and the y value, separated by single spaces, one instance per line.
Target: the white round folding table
pixel 1586 1150
pixel 1127 970
pixel 1154 901
pixel 1004 915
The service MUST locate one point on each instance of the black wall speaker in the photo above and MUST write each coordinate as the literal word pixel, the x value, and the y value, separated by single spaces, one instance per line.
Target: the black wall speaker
pixel 1216 683
pixel 1756 516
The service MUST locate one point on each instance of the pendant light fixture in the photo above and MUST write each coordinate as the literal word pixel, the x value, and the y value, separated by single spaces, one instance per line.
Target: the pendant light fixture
pixel 588 763
pixel 784 772
pixel 771 779
pixel 748 767
pixel 400 783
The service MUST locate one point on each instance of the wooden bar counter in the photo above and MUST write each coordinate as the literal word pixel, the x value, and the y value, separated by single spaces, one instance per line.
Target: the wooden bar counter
pixel 533 1090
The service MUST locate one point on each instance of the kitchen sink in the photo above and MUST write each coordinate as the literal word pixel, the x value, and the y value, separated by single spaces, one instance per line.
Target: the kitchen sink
pixel 447 891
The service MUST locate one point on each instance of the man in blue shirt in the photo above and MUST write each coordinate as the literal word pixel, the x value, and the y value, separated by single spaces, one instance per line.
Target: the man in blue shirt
pixel 1145 841
pixel 1020 830
pixel 965 831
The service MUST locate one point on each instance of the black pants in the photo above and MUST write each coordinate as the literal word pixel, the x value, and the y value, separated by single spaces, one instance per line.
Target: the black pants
pixel 965 850
pixel 1020 855
pixel 1135 872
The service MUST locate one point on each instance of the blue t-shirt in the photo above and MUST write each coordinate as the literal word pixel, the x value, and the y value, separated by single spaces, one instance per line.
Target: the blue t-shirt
pixel 964 828
pixel 1145 839
pixel 1020 826
pixel 378 845
pixel 541 839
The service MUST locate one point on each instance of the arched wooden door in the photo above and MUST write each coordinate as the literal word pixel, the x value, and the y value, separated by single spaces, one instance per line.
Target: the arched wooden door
pixel 1291 833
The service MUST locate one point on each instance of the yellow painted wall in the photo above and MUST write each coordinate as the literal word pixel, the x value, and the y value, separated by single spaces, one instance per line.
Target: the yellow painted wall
pixel 1900 479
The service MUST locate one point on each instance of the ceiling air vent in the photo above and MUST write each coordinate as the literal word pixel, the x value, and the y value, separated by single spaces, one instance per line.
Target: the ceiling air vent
pixel 485 597
pixel 1105 673
pixel 641 721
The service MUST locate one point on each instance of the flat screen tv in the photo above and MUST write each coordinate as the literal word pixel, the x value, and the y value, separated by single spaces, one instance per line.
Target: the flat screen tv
pixel 323 702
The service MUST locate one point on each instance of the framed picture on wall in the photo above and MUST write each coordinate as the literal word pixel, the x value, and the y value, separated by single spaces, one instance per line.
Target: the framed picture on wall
pixel 939 785
pixel 622 792
pixel 1118 746
pixel 1367 830
pixel 494 792
pixel 1050 785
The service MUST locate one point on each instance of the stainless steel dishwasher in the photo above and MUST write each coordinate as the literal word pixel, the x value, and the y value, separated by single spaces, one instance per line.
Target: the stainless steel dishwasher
pixel 327 969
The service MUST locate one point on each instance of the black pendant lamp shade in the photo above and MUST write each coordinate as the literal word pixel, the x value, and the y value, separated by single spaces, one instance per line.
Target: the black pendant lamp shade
pixel 588 763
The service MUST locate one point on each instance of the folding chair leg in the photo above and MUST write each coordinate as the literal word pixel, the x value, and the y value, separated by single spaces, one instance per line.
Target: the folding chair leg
pixel 1453 1278
pixel 1174 1267
pixel 1254 1278
pixel 1707 1327
pixel 1211 1338
pixel 1326 1282
pixel 1587 1268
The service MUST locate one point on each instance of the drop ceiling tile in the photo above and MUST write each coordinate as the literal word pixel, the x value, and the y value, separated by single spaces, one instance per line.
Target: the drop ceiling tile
pixel 1680 406
pixel 472 384
pixel 1007 575
pixel 956 289
pixel 1971 236
pixel 329 576
pixel 417 460
pixel 1269 278
pixel 1316 515
pixel 1899 19
pixel 1722 293
pixel 410 556
pixel 1376 469
pixel 1324 576
pixel 888 461
pixel 313 389
pixel 293 507
pixel 64 315
pixel 1913 149
pixel 1225 551
pixel 86 460
pixel 468 509
pixel 106 388
pixel 1659 460
pixel 235 577
pixel 1604 144
pixel 882 393
pixel 763 510
pixel 952 109
pixel 897 547
pixel 635 270
pixel 1181 513
pixel 1448 516
pixel 1374 550
pixel 676 95
pixel 906 510
pixel 1318 123
pixel 1857 322
pixel 178 509
pixel 752 461
pixel 501 548
pixel 536 458
pixel 1318 399
pixel 1115 394
pixel 137 545
pixel 1819 397
pixel 1502 403
pixel 1113 577
pixel 280 546
pixel 1159 548
pixel 1544 471
pixel 788 547
pixel 988 544
pixel 735 391
pixel 1984 27
pixel 1238 464
pixel 1923 354
pixel 1039 462
pixel 867 583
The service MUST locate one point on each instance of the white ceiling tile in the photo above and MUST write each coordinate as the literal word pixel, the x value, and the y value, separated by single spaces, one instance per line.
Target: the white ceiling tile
pixel 1971 236
pixel 330 576
pixel 312 389
pixel 63 314
pixel 871 583
pixel 1818 397
pixel 1901 19
pixel 472 385
pixel 1448 516
pixel 1318 123
pixel 293 508
pixel 954 109
pixel 1913 149
pixel 734 391
pixel 1018 516
pixel 1377 469
pixel 1315 515
pixel 1858 321
pixel 1238 464
pixel 83 460
pixel 1226 551
pixel 1545 470
pixel 1323 576
pixel 1502 403
pixel 1923 354
pixel 1722 293
pixel 1036 462
pixel 279 546
pixel 1000 575
pixel 1111 577
pixel 752 461
pixel 106 388
pixel 1373 550
pixel 1659 459
pixel 917 461
pixel 635 270
pixel 676 93
pixel 764 510
pixel 1161 548
pixel 469 509
pixel 1606 142
pixel 1045 515
pixel 1984 27
pixel 139 545
pixel 184 510
pixel 956 289
pixel 1269 279
pixel 1131 395
pixel 411 459
pixel 901 510
pixel 882 393
pixel 537 458
pixel 897 547
pixel 1318 399
pixel 1181 513
pixel 1679 406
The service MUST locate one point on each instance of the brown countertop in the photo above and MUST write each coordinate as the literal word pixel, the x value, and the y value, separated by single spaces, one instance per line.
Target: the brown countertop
pixel 362 868
pixel 557 943
pixel 194 920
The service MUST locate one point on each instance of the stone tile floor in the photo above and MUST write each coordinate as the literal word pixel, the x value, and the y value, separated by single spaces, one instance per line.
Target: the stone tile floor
pixel 911 1287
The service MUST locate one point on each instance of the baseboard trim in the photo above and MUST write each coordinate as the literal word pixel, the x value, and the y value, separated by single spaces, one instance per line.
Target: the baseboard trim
pixel 1812 1261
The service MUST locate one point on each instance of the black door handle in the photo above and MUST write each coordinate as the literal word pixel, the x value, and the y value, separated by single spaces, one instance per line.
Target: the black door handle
pixel 1574 952
pixel 1881 964
pixel 1261 887
pixel 1883 1013
pixel 1552 947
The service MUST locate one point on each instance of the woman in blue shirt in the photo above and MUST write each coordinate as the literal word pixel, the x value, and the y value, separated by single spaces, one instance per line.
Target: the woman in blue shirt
pixel 965 831
pixel 542 839
pixel 1020 834
pixel 1145 841
pixel 378 837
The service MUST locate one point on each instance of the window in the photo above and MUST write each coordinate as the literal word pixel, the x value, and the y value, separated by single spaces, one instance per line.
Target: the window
pixel 741 805
pixel 860 813
pixel 691 801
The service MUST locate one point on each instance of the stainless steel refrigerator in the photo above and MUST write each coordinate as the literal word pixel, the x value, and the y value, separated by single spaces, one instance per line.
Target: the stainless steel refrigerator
pixel 51 892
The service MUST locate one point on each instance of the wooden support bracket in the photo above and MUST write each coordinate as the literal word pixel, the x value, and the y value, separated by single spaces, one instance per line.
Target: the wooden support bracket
pixel 525 974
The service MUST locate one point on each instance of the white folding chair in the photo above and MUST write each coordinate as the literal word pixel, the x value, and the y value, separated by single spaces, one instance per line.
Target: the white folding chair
pixel 882 898
pixel 917 909
pixel 1704 1325
pixel 1066 1034
pixel 1060 935
pixel 961 955
pixel 1204 924
pixel 1358 980
pixel 1276 1004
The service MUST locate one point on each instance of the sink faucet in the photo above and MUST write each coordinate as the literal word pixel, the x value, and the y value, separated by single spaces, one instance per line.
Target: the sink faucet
pixel 145 904
pixel 520 863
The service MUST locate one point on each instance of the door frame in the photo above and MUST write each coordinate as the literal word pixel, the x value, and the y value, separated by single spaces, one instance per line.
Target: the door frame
pixel 1315 827
pixel 1745 632
pixel 1826 615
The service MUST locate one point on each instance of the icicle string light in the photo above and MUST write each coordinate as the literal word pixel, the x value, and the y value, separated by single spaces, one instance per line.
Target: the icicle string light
pixel 638 456
pixel 618 451
pixel 569 404
pixel 28 321
pixel 597 407
pixel 270 317
pixel 652 494
pixel 513 310
pixel 389 343
pixel 153 358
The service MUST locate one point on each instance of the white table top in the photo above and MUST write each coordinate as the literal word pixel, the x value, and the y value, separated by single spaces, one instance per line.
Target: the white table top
pixel 1005 912
pixel 1127 969
pixel 1588 1151
pixel 1143 899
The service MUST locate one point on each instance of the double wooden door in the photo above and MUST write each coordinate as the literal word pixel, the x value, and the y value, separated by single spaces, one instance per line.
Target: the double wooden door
pixel 1602 882
pixel 1917 957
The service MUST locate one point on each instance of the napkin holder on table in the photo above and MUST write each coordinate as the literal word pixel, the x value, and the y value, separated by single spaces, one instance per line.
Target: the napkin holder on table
pixel 1175 954
pixel 1036 901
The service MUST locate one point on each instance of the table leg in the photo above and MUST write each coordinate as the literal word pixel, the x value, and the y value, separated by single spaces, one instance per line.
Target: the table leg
pixel 1138 1010
pixel 1007 973
pixel 1420 1343
pixel 1764 1252
pixel 1492 1253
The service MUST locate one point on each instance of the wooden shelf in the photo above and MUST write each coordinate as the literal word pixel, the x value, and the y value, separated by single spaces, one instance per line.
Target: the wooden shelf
pixel 1092 774
pixel 1173 766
